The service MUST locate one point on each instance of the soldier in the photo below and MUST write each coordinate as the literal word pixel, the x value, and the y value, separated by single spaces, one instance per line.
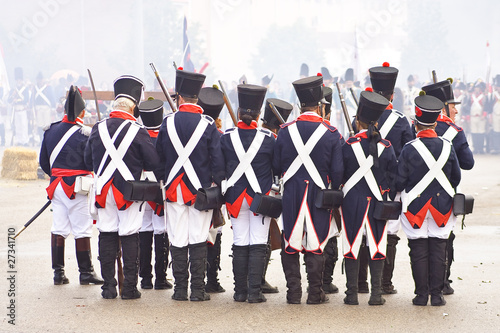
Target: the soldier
pixel 308 153
pixel 248 153
pixel 495 116
pixel 118 150
pixel 428 172
pixel 153 222
pixel 189 148
pixel 370 168
pixel 478 117
pixel 394 127
pixel 272 123
pixel 43 103
pixel 20 97
pixel 62 158
pixel 211 101
pixel 446 128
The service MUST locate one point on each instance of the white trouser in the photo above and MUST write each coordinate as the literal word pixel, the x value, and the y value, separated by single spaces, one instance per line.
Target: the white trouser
pixel 187 225
pixel 393 226
pixel 429 228
pixel 70 216
pixel 21 125
pixel 153 222
pixel 43 115
pixel 248 228
pixel 126 222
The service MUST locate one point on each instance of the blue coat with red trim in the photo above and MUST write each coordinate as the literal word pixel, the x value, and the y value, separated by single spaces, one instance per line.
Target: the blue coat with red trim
pixel 262 165
pixel 70 159
pixel 400 134
pixel 206 158
pixel 141 155
pixel 412 168
pixel 326 156
pixel 360 199
pixel 460 144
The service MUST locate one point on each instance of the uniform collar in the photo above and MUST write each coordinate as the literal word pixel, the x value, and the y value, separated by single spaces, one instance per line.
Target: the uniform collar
pixel 428 133
pixel 444 118
pixel 121 114
pixel 390 106
pixel 310 116
pixel 77 120
pixel 189 107
pixel 242 125
pixel 362 134
pixel 153 133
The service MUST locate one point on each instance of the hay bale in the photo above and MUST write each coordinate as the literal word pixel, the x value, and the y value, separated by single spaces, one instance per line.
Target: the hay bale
pixel 19 163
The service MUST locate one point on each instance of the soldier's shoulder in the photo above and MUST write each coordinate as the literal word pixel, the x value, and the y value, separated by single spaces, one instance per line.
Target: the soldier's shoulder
pixel 265 131
pixel 49 126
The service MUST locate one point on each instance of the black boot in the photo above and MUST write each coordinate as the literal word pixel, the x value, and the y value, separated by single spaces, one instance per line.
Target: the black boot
pixel 448 290
pixel 331 253
pixel 315 265
pixel 161 262
pixel 197 267
pixel 130 252
pixel 84 258
pixel 265 286
pixel 145 268
pixel 291 268
pixel 419 256
pixel 351 273
pixel 256 264
pixel 376 267
pixel 57 246
pixel 387 286
pixel 213 266
pixel 437 270
pixel 180 272
pixel 108 249
pixel 363 268
pixel 240 272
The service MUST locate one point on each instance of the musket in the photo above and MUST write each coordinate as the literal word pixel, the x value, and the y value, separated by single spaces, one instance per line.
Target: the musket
pixel 354 97
pixel 175 65
pixel 344 109
pixel 434 76
pixel 165 90
pixel 228 104
pixel 47 204
pixel 95 96
pixel 276 113
pixel 120 266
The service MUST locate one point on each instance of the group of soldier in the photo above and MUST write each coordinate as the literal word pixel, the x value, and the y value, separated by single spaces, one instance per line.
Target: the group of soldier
pixel 165 178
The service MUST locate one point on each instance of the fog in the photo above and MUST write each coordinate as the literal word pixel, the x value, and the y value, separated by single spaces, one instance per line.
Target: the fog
pixel 252 38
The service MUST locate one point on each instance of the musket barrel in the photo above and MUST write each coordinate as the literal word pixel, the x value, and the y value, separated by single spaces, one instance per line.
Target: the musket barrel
pixel 163 88
pixel 344 109
pixel 228 104
pixel 276 113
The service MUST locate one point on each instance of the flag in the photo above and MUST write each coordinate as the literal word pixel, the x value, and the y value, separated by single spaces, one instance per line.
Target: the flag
pixel 187 64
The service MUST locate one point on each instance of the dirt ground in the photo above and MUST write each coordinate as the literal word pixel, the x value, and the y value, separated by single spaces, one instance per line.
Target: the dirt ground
pixel 42 307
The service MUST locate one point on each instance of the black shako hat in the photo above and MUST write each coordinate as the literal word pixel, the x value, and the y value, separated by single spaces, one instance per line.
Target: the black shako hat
pixel 442 90
pixel 371 106
pixel 427 109
pixel 130 87
pixel 211 101
pixel 251 97
pixel 74 103
pixel 284 109
pixel 151 113
pixel 383 79
pixel 188 84
pixel 327 95
pixel 309 90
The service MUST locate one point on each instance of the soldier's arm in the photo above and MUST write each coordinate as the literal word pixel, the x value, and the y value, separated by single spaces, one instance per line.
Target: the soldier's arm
pixel 216 157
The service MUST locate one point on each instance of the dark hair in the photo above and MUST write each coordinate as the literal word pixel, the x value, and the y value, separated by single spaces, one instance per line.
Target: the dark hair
pixel 247 116
pixel 374 137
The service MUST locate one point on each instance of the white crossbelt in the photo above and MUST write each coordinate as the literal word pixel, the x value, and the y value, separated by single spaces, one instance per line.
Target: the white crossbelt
pixel 435 172
pixel 364 170
pixel 388 124
pixel 184 152
pixel 246 159
pixel 304 151
pixel 39 92
pixel 61 143
pixel 450 134
pixel 116 162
